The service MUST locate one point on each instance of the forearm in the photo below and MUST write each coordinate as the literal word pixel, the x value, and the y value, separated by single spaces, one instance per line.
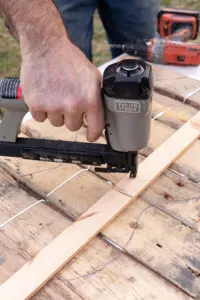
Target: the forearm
pixel 35 23
pixel 57 80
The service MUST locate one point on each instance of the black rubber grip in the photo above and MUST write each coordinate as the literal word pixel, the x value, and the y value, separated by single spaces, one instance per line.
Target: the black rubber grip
pixel 9 88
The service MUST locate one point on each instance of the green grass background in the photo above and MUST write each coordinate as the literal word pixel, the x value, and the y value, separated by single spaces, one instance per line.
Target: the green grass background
pixel 10 53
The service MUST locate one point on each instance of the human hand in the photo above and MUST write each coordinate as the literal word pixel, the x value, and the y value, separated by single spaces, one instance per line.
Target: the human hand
pixel 62 85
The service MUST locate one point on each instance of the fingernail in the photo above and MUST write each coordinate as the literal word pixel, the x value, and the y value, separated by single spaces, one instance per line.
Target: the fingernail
pixel 92 137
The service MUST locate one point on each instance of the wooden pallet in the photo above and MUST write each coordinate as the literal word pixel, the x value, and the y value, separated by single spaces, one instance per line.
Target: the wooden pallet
pixel 151 251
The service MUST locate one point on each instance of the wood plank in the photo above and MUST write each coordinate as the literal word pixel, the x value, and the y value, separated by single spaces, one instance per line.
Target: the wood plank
pixel 99 272
pixel 176 86
pixel 98 216
pixel 56 289
pixel 164 243
pixel 177 196
pixel 188 164
pixel 175 113
pixel 121 277
pixel 169 193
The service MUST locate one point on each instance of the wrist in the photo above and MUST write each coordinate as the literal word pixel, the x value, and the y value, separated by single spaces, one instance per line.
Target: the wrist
pixel 31 49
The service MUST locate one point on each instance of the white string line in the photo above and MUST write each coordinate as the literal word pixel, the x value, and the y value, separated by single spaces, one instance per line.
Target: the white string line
pixel 176 172
pixel 67 180
pixel 158 115
pixel 43 200
pixel 20 213
pixel 182 175
pixel 191 94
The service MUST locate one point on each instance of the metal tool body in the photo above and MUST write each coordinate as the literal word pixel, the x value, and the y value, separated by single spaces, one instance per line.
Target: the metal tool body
pixel 128 101
pixel 127 94
pixel 73 153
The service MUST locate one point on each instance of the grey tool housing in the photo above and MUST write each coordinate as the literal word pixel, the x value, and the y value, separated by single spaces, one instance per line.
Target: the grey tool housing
pixel 128 87
pixel 15 111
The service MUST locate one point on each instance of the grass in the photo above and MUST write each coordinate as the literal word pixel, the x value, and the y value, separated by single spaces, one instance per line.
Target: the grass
pixel 10 53
pixel 191 4
pixel 101 51
pixel 166 2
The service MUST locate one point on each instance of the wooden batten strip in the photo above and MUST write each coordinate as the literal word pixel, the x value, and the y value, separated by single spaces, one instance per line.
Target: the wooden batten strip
pixel 33 275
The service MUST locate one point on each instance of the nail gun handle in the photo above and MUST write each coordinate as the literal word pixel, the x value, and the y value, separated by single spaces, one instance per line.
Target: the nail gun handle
pixel 10 94
pixel 10 88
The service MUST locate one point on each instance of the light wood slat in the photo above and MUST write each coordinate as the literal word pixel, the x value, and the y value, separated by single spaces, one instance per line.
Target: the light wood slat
pixel 31 277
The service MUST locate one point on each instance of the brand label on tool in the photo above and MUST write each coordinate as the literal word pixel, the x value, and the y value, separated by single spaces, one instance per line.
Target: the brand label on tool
pixel 128 107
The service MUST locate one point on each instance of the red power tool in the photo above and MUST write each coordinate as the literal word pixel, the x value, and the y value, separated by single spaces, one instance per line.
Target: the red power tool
pixel 170 52
pixel 163 51
pixel 175 27
pixel 178 24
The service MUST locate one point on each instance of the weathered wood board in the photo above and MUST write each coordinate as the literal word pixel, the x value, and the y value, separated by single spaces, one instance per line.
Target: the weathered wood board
pixel 168 83
pixel 160 232
pixel 85 277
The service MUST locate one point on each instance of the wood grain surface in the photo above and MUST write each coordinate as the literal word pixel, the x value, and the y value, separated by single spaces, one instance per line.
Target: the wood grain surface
pixel 38 270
